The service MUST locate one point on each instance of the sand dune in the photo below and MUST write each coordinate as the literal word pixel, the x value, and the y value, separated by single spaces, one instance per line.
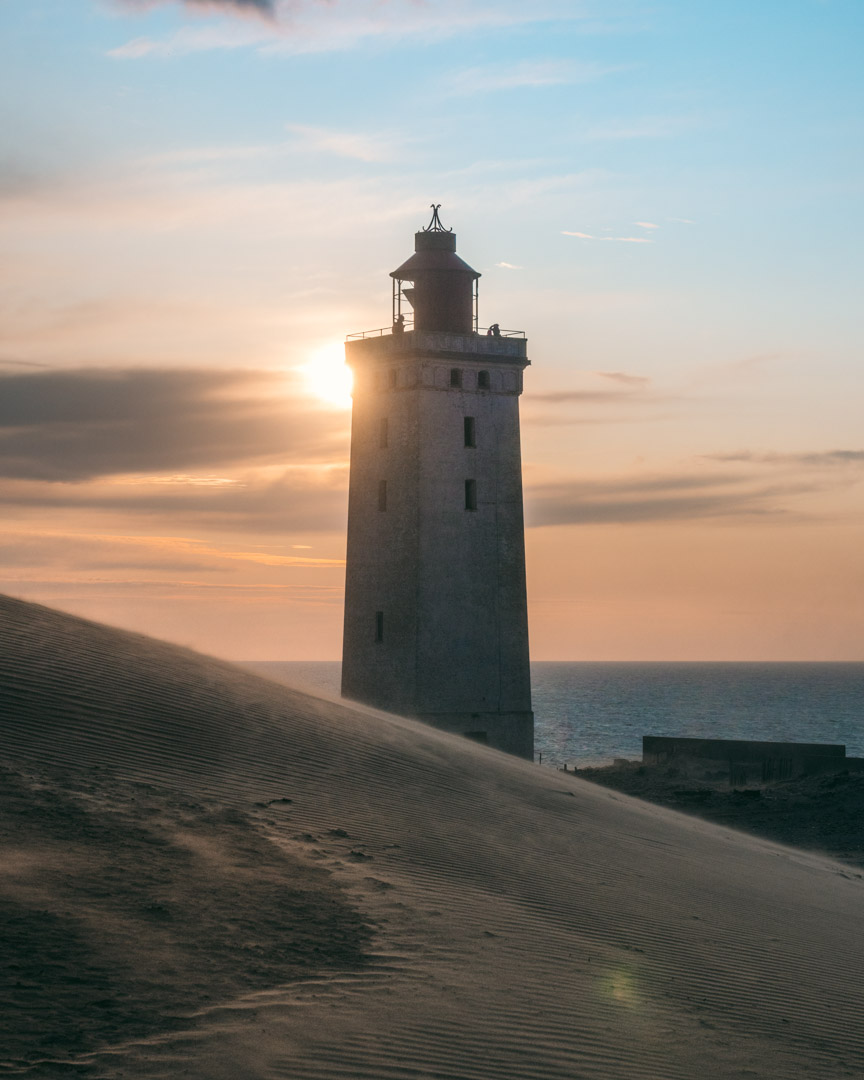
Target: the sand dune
pixel 205 874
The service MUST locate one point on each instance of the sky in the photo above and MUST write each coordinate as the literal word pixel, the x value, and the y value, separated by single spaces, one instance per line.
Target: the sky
pixel 199 200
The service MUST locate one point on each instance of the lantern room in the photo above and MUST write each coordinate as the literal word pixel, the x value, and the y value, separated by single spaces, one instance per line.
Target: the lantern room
pixel 435 289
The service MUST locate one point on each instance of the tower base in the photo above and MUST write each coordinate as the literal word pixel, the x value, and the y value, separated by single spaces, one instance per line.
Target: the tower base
pixel 511 732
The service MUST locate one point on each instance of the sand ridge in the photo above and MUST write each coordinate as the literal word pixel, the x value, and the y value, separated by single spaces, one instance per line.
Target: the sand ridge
pixel 502 923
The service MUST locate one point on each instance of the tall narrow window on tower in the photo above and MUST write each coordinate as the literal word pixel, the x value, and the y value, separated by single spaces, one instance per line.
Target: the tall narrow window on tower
pixel 452 586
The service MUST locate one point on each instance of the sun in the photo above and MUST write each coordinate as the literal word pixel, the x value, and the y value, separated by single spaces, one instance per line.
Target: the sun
pixel 328 377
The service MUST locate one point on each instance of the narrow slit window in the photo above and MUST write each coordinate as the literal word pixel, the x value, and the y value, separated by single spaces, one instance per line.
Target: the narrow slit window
pixel 393 378
pixel 456 377
pixel 470 433
pixel 379 625
pixel 483 382
pixel 470 494
pixel 384 433
pixel 382 494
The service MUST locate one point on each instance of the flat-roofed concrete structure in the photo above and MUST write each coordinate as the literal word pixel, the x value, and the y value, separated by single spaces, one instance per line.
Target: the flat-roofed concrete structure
pixel 751 760
pixel 436 620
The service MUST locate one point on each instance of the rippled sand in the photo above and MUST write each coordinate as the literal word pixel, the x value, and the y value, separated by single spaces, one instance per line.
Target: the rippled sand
pixel 205 874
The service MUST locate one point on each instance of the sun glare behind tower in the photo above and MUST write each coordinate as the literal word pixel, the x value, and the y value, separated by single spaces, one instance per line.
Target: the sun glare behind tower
pixel 436 623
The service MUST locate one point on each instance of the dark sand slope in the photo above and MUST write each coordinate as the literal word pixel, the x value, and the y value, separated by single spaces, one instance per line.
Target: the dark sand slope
pixel 422 907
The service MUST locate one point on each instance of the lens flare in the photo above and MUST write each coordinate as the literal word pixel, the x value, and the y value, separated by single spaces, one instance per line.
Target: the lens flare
pixel 327 376
pixel 620 985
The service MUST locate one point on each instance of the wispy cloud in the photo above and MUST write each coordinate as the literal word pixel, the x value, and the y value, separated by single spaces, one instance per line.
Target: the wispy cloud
pixel 266 8
pixel 589 397
pixel 671 497
pixel 509 266
pixel 307 26
pixel 539 73
pixel 760 492
pixel 624 377
pixel 349 144
pixel 653 127
pixel 205 155
pixel 77 425
pixel 816 459
pixel 29 555
pixel 193 39
pixel 184 480
pixel 158 190
pixel 292 501
pixel 7 363
pixel 609 239
pixel 627 389
pixel 646 224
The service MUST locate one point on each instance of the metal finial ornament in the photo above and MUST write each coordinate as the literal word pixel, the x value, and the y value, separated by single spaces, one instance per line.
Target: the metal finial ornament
pixel 435 224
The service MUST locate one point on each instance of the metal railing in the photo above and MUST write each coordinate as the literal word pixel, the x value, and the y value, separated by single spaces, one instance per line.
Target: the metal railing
pixel 380 332
pixel 482 331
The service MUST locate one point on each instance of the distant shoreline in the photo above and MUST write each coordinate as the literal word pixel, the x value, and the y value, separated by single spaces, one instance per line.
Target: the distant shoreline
pixel 589 713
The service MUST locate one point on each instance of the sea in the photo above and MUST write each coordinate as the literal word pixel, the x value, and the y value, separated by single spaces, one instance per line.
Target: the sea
pixel 591 713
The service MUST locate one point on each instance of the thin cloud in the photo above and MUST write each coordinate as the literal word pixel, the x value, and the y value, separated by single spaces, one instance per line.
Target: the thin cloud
pixel 347 144
pixel 520 192
pixel 206 155
pixel 225 35
pixel 188 481
pixel 243 7
pixel 689 496
pixel 646 224
pixel 657 499
pixel 591 397
pixel 509 266
pixel 287 504
pixel 30 554
pixel 624 377
pixel 493 77
pixel 71 589
pixel 657 127
pixel 189 39
pixel 613 239
pixel 239 7
pixel 306 26
pixel 628 389
pixel 77 425
pixel 816 459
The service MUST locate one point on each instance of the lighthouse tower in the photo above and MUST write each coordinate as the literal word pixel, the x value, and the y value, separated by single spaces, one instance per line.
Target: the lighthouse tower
pixel 436 622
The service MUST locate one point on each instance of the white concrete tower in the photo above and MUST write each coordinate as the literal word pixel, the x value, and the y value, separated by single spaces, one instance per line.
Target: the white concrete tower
pixel 436 622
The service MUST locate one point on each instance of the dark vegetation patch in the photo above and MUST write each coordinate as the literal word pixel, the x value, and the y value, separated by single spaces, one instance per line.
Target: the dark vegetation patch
pixel 125 909
pixel 822 813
